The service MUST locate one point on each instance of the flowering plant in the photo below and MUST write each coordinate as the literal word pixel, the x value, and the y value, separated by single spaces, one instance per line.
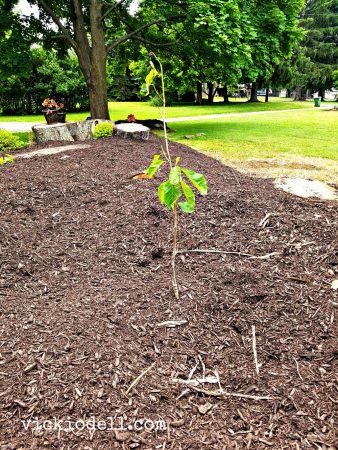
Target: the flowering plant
pixel 51 105
pixel 131 118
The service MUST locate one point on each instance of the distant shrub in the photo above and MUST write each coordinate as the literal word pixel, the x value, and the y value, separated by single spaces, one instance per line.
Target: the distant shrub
pixel 102 130
pixel 8 141
pixel 157 101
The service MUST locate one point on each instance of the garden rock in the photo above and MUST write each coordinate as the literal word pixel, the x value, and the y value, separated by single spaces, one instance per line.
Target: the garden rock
pixel 132 131
pixel 55 132
pixel 70 131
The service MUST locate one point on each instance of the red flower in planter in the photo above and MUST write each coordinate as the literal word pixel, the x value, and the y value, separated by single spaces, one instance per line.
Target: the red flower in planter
pixel 131 118
pixel 51 105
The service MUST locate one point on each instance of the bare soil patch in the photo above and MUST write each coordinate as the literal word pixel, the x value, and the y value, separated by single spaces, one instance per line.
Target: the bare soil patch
pixel 85 281
pixel 322 169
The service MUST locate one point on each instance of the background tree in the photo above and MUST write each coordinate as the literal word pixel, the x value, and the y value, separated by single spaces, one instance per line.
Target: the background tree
pixel 23 88
pixel 335 79
pixel 274 33
pixel 320 22
pixel 93 29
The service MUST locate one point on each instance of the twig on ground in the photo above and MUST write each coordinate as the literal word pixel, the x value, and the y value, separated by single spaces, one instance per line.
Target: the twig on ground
pixel 213 251
pixel 225 252
pixel 268 255
pixel 137 380
pixel 297 366
pixel 254 349
pixel 172 323
pixel 264 222
pixel 220 393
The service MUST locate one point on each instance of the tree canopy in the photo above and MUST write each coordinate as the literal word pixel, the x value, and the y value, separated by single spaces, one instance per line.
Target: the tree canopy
pixel 220 41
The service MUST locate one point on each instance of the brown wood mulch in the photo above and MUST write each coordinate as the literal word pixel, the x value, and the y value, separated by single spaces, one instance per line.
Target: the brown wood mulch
pixel 85 289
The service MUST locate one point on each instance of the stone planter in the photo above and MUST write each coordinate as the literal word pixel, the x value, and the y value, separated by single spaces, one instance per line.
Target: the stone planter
pixel 51 116
pixel 62 117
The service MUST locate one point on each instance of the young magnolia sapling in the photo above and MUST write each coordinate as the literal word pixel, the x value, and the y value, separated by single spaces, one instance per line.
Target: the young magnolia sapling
pixel 180 179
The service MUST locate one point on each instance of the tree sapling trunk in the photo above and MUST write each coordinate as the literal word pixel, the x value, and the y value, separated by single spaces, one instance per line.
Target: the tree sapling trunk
pixel 170 191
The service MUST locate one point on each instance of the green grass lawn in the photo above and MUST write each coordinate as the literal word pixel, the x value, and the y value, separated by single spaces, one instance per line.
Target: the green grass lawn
pixel 297 141
pixel 300 143
pixel 143 110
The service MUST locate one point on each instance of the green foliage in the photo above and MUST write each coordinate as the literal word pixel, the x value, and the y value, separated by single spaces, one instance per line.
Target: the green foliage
pixel 154 166
pixel 215 42
pixel 22 91
pixel 158 102
pixel 7 159
pixel 335 79
pixel 8 141
pixel 170 191
pixel 102 130
pixel 319 21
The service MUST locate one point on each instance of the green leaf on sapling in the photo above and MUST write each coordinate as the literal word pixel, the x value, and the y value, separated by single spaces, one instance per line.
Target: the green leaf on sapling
pixel 168 194
pixel 150 78
pixel 154 166
pixel 175 175
pixel 189 205
pixel 144 90
pixel 198 180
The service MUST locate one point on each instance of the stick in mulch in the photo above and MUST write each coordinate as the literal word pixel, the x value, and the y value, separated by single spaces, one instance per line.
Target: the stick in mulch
pixel 191 384
pixel 225 252
pixel 137 380
pixel 222 393
pixel 254 349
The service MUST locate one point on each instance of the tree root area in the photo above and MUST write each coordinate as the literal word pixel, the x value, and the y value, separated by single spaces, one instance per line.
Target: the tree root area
pixel 90 327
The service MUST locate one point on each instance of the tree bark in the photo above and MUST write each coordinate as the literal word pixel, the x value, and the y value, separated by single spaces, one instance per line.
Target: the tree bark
pixel 321 94
pixel 210 93
pixel 298 93
pixel 199 95
pixel 225 94
pixel 266 95
pixel 254 92
pixel 288 93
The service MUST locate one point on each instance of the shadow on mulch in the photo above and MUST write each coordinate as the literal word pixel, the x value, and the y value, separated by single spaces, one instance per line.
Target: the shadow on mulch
pixel 85 281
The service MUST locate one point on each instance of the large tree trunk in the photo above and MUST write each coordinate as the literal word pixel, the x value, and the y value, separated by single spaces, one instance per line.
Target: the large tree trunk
pixel 97 90
pixel 92 56
pixel 225 94
pixel 97 85
pixel 266 95
pixel 288 93
pixel 210 93
pixel 298 93
pixel 254 92
pixel 199 95
pixel 321 94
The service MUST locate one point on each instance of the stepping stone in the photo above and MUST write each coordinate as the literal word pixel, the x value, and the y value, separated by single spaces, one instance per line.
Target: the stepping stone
pixel 131 131
pixel 306 188
pixel 51 151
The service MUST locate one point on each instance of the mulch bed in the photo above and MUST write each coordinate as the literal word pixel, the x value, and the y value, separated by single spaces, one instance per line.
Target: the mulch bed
pixel 85 281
